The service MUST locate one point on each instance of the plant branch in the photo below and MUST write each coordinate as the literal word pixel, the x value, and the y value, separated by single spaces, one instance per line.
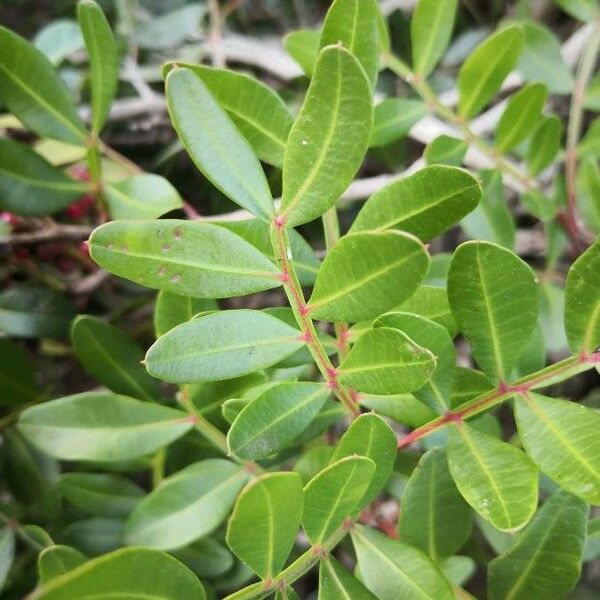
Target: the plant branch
pixel 293 290
pixel 582 78
pixel 54 232
pixel 550 375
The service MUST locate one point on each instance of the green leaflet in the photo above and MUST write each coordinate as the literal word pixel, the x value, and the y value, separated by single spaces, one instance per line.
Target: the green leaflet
pixel 370 436
pixel 7 553
pixel 172 310
pixel 354 24
pixel 446 150
pixel 256 110
pixel 205 557
pixel 183 257
pixel 582 302
pixel 545 562
pixel 482 74
pixel 434 516
pixel 104 60
pixel 303 46
pixel 424 204
pixel 333 495
pixel 138 572
pixel 544 143
pixel 431 302
pixel 112 357
pixel 30 186
pixel 435 338
pixel 563 440
pixel 393 118
pixel 100 494
pixel 335 583
pixel 393 570
pixel 494 299
pixel 101 426
pixel 496 479
pixel 146 196
pixel 329 138
pixel 17 383
pixel 491 220
pixel 265 521
pixel 58 560
pixel 386 361
pixel 584 10
pixel 212 141
pixel 32 90
pixel 186 506
pixel 275 418
pixel 430 31
pixel 523 110
pixel 366 274
pixel 221 345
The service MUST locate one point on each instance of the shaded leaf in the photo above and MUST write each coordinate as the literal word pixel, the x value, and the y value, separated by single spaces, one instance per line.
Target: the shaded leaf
pixel 446 150
pixel 335 583
pixel 544 144
pixel 206 557
pixel 101 426
pixel 329 138
pixel 367 273
pixel 431 302
pixel 265 521
pixel 57 560
pixel 186 506
pixel 393 118
pixel 172 310
pixel 221 345
pixel 183 257
pixel 7 553
pixel 17 382
pixel 303 46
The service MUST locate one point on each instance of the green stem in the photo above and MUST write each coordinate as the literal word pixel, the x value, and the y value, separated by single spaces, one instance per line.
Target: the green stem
pixel 304 563
pixel 158 467
pixel 293 290
pixel 549 376
pixel 331 229
pixel 429 97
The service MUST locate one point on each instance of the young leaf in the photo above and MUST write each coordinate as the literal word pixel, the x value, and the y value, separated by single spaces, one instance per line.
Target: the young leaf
pixel 367 273
pixel 493 297
pixel 434 516
pixel 146 196
pixel 221 345
pixel 104 60
pixel 172 310
pixel 30 186
pixel 430 32
pixel 563 440
pixel 35 93
pixel 545 562
pixel 544 144
pixel 100 494
pixel 370 436
pixel 392 569
pixel 17 383
pixel 446 150
pixel 523 109
pixel 275 418
pixel 435 338
pixel 7 553
pixel 329 138
pixel 582 302
pixel 303 47
pixel 101 426
pixel 186 506
pixel 256 110
pixel 482 74
pixel 354 24
pixel 58 560
pixel 112 357
pixel 183 257
pixel 386 361
pixel 265 521
pixel 333 495
pixel 424 204
pixel 393 118
pixel 495 478
pixel 214 143
pixel 137 572
pixel 335 583
pixel 491 220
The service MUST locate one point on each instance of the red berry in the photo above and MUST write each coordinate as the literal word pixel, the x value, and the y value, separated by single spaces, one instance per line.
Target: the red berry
pixel 81 207
pixel 10 218
pixel 84 248
pixel 22 254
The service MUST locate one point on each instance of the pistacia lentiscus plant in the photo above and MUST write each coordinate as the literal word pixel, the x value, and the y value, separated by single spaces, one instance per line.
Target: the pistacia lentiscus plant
pixel 291 436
